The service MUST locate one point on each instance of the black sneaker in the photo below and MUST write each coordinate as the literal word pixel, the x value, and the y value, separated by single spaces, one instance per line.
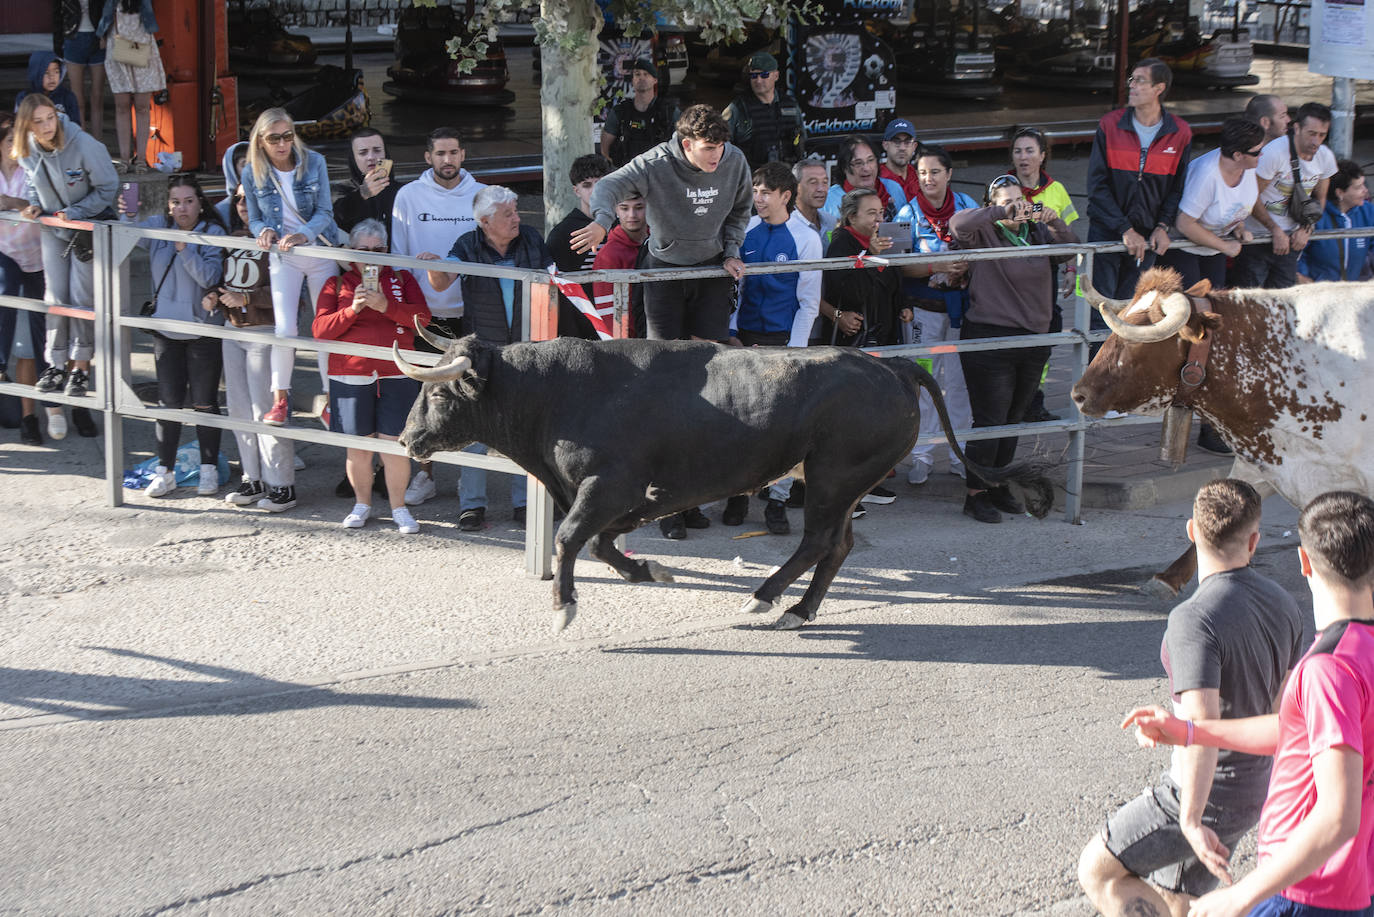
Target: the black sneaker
pixel 278 499
pixel 796 499
pixel 1001 498
pixel 859 512
pixel 775 517
pixel 51 380
pixel 694 518
pixel 674 527
pixel 1209 441
pixel 736 508
pixel 77 382
pixel 248 493
pixel 979 506
pixel 28 430
pixel 518 515
pixel 470 520
pixel 880 495
pixel 85 425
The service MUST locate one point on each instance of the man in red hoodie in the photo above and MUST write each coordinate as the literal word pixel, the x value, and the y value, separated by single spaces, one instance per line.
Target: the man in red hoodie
pixel 621 251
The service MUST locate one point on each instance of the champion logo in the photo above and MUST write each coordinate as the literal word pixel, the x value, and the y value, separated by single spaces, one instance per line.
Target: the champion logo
pixel 1169 149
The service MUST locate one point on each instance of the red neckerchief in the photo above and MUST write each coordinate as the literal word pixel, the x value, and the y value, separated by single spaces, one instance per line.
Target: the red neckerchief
pixel 911 185
pixel 863 240
pixel 1031 193
pixel 883 197
pixel 938 218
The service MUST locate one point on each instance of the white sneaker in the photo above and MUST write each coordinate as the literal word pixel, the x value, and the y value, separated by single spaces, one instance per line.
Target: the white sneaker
pixel 957 469
pixel 919 473
pixel 209 481
pixel 57 425
pixel 1113 415
pixel 358 518
pixel 163 482
pixel 405 522
pixel 420 489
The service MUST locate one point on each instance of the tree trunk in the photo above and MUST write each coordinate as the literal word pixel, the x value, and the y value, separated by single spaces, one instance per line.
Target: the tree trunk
pixel 570 85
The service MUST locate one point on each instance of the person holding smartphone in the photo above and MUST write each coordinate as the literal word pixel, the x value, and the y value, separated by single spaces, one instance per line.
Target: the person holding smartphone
pixel 374 188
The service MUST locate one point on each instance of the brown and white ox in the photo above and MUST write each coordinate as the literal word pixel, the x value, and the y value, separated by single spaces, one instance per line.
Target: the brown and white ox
pixel 1289 383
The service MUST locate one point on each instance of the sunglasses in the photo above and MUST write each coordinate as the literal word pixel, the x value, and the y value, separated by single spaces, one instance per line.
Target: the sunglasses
pixel 1252 152
pixel 284 137
pixel 1003 181
pixel 381 251
pixel 759 74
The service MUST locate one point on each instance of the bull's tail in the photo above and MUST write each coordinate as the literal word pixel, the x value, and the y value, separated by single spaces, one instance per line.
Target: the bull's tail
pixel 1028 478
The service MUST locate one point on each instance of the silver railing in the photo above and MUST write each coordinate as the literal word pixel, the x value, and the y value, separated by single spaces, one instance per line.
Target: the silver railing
pixel 114 396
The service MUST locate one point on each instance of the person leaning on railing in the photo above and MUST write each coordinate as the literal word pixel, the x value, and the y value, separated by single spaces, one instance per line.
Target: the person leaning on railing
pixel 244 298
pixel 187 364
pixel 21 274
pixel 1007 297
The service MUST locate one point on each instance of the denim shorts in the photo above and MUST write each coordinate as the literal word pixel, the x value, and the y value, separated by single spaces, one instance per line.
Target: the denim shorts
pixel 378 407
pixel 1144 835
pixel 1279 906
pixel 83 48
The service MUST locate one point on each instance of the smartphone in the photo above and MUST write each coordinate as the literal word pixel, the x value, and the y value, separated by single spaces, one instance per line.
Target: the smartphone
pixel 128 196
pixel 899 233
pixel 385 166
pixel 370 275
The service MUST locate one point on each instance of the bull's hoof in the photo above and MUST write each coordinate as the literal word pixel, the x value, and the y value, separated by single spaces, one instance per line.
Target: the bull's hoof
pixel 1156 588
pixel 790 620
pixel 755 606
pixel 562 617
pixel 657 572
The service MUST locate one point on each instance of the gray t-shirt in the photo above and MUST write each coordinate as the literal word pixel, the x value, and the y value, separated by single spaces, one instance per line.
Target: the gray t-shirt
pixel 1146 134
pixel 1240 633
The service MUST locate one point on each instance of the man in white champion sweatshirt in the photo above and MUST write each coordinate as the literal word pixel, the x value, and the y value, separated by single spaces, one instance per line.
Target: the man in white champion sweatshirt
pixel 428 217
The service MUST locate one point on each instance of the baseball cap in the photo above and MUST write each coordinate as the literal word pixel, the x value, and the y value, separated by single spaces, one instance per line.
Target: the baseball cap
pixel 899 126
pixel 646 65
pixel 762 60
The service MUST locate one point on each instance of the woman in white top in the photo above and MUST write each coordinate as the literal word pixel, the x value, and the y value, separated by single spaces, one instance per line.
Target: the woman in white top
pixel 1218 195
pixel 21 274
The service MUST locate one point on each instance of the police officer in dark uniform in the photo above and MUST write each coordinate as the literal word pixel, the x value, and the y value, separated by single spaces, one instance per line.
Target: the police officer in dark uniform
pixel 640 121
pixel 765 123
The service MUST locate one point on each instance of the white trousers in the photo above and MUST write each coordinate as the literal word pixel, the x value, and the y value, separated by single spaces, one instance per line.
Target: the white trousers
pixel 248 391
pixel 287 272
pixel 931 328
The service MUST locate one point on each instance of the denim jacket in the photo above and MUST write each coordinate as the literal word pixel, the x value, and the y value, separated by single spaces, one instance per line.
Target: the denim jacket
pixel 312 200
pixel 107 18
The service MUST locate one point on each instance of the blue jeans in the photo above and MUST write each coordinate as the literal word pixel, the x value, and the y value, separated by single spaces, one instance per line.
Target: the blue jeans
pixel 14 282
pixel 472 486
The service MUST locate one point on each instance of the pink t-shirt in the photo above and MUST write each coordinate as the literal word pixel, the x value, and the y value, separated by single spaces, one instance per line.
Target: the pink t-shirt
pixel 1329 701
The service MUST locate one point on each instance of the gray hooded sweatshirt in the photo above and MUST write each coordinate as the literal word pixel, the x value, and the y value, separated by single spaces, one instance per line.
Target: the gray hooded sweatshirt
pixel 694 217
pixel 87 180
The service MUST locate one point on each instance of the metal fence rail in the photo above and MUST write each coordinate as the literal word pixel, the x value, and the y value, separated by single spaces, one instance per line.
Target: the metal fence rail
pixel 113 394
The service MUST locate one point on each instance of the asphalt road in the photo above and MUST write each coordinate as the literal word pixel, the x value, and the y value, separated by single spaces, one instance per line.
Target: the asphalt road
pixel 204 710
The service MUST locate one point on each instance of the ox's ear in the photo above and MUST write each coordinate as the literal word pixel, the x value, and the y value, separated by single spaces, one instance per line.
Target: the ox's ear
pixel 1199 325
pixel 1201 288
pixel 472 383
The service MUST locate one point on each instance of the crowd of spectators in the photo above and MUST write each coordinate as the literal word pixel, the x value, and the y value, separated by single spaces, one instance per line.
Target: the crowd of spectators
pixel 668 189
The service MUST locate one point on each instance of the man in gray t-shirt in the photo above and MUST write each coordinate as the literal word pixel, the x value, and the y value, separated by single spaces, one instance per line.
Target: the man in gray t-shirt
pixel 1227 651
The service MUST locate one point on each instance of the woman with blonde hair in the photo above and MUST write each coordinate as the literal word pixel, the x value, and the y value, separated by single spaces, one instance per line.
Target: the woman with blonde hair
pixel 70 176
pixel 286 188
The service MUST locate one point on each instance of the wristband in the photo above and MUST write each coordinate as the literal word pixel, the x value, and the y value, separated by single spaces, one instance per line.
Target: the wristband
pixel 1188 740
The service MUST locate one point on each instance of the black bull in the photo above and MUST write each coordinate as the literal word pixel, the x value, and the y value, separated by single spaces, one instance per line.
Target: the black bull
pixel 625 432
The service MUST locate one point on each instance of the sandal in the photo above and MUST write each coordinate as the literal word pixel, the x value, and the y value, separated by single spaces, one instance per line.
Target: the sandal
pixel 138 166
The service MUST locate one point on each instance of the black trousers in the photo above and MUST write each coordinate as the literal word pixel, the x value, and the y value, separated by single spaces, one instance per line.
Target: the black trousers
pixel 185 369
pixel 1194 267
pixel 677 309
pixel 1001 384
pixel 1258 266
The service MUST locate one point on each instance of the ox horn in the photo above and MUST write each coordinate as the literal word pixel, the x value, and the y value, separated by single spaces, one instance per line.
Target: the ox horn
pixel 439 341
pixel 445 372
pixel 1177 311
pixel 1099 302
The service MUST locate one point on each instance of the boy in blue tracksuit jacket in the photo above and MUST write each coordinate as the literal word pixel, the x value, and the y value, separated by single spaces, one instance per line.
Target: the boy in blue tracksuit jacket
pixel 1346 208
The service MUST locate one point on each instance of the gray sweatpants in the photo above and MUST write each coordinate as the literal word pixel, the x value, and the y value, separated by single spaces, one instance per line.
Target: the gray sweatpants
pixel 70 282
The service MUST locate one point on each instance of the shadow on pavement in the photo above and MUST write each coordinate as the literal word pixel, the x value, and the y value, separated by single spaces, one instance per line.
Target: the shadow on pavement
pixel 92 696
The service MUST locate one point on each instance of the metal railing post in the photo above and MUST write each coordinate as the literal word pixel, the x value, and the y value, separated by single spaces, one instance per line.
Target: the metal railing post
pixel 1078 436
pixel 538 502
pixel 108 358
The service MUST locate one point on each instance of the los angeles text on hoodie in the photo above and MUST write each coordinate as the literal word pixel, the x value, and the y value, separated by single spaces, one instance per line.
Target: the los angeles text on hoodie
pixel 428 217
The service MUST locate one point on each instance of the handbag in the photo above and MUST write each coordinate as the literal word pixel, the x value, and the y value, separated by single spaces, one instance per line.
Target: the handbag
pixel 133 53
pixel 150 306
pixel 1302 209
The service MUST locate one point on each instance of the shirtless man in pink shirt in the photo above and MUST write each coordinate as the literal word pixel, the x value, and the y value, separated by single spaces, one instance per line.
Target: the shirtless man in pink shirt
pixel 1318 819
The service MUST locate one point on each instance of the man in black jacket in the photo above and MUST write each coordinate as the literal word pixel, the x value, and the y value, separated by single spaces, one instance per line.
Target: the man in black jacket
pixel 765 123
pixel 642 120
pixel 1139 160
pixel 374 191
pixel 586 171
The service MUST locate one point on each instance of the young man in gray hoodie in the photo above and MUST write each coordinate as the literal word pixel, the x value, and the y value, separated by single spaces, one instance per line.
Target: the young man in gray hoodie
pixel 698 195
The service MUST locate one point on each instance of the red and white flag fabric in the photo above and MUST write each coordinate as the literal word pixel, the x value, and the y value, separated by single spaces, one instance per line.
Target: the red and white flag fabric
pixel 578 297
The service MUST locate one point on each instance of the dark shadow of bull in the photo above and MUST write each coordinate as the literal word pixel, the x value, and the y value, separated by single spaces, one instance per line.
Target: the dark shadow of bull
pixel 626 432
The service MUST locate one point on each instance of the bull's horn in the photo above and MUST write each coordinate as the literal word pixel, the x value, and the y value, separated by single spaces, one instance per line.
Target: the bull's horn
pixel 1095 299
pixel 445 372
pixel 1177 311
pixel 439 341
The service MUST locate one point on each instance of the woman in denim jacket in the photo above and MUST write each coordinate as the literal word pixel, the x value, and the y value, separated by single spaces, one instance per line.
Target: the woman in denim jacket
pixel 186 363
pixel 286 187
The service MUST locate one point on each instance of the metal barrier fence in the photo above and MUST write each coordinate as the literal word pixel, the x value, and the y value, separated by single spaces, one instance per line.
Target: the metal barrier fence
pixel 113 393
